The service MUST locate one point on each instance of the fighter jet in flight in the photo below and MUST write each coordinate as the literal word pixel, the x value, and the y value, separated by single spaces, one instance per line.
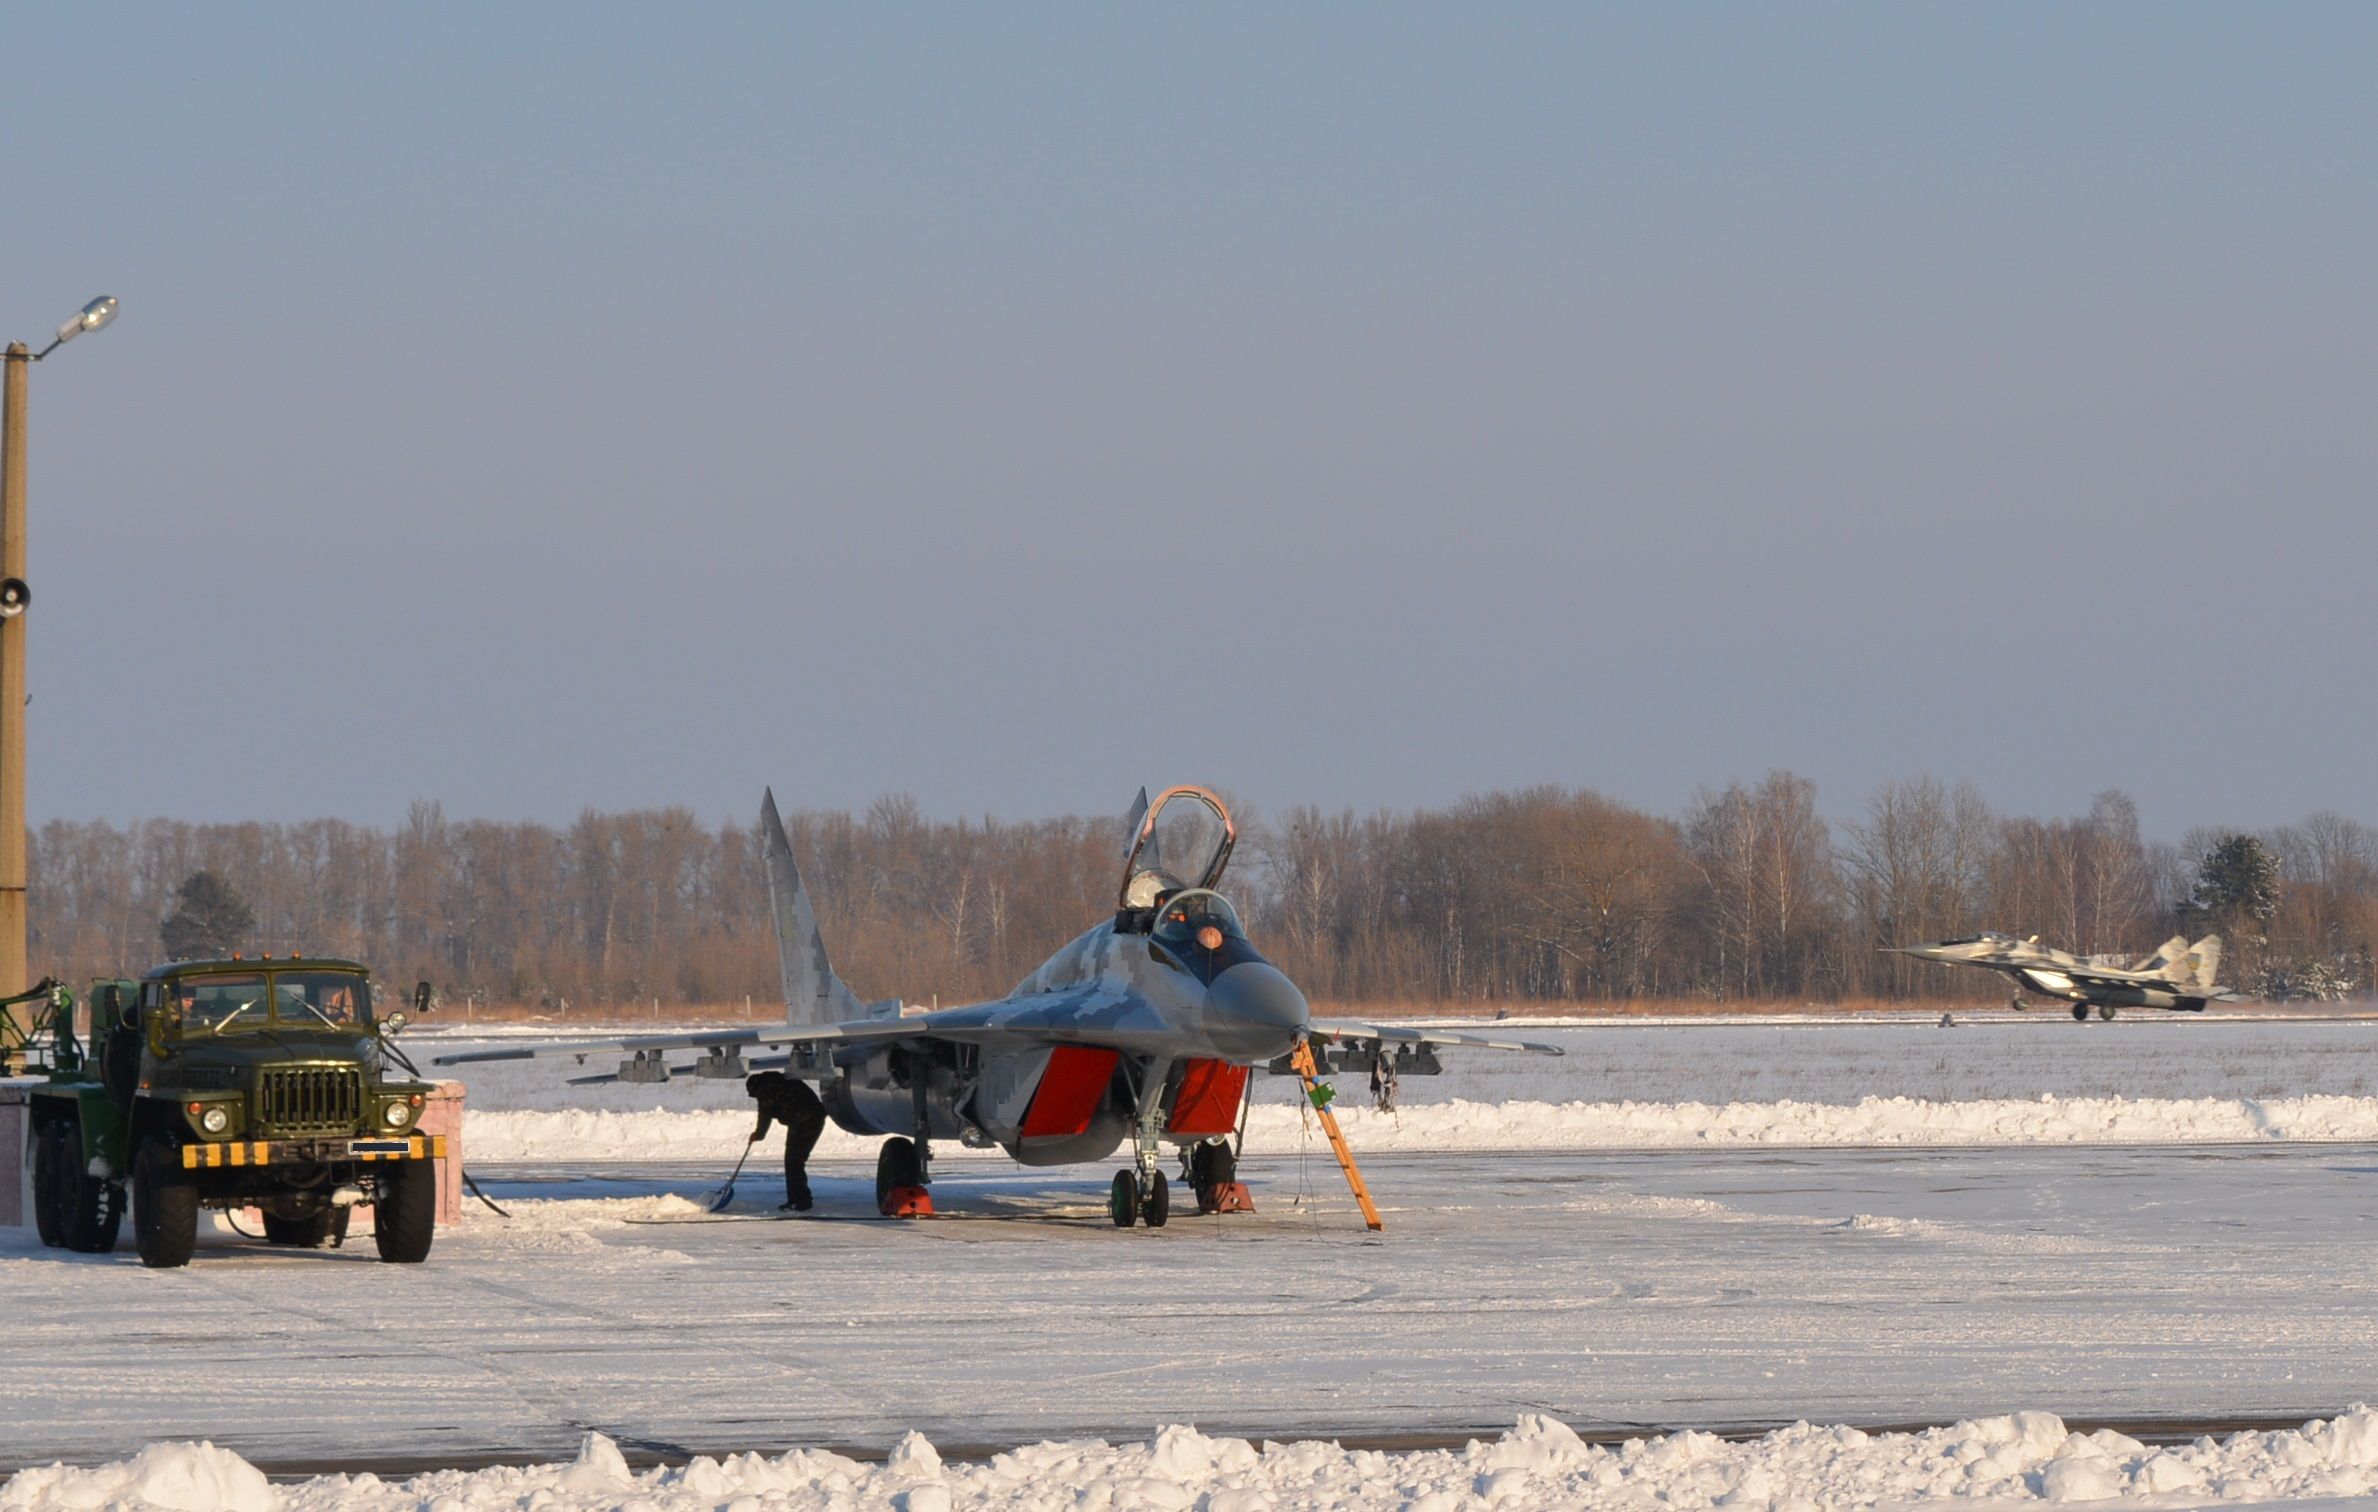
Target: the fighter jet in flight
pixel 1143 1031
pixel 2178 975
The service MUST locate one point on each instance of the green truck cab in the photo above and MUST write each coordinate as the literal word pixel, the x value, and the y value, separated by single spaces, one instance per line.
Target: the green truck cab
pixel 228 1084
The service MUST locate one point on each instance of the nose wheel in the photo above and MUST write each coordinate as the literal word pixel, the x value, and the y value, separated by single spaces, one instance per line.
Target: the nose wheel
pixel 1134 1200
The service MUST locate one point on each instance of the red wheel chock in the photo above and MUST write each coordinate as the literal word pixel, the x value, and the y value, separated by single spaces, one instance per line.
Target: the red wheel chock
pixel 908 1202
pixel 1229 1197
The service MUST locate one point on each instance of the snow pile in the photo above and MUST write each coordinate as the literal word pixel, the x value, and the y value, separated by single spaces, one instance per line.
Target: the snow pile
pixel 177 1477
pixel 656 1134
pixel 2026 1457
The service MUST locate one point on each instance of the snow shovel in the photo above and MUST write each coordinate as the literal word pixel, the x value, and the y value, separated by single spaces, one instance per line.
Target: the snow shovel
pixel 726 1194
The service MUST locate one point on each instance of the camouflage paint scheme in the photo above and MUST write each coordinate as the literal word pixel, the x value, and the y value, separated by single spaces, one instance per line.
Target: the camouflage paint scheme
pixel 1157 1006
pixel 2178 976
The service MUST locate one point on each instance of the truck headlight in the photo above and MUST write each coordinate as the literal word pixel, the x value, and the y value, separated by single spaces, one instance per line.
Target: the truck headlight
pixel 397 1115
pixel 215 1120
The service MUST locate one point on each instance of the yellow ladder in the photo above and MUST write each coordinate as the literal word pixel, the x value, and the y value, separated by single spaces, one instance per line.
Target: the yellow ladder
pixel 1302 1059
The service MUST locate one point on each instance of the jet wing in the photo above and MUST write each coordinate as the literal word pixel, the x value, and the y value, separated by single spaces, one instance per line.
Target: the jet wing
pixel 1401 1034
pixel 2102 979
pixel 2011 960
pixel 2106 977
pixel 1070 1016
pixel 864 1029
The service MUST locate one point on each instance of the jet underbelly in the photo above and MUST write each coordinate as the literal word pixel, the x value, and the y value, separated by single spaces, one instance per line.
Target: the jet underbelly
pixel 2054 983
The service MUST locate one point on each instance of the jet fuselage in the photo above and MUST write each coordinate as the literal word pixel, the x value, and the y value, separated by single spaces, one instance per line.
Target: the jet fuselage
pixel 1180 1007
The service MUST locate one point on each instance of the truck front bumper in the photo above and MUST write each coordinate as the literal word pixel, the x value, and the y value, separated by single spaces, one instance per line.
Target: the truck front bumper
pixel 266 1152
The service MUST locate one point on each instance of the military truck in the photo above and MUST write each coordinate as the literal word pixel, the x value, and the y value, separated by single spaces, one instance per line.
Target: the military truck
pixel 230 1084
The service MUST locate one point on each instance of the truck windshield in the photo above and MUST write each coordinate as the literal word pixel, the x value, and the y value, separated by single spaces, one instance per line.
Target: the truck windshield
pixel 222 1002
pixel 295 999
pixel 318 997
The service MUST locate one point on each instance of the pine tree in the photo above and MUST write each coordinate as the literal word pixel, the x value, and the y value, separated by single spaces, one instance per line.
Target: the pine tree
pixel 2237 884
pixel 209 919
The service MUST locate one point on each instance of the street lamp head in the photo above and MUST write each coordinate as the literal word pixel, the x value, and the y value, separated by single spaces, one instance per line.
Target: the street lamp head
pixel 94 315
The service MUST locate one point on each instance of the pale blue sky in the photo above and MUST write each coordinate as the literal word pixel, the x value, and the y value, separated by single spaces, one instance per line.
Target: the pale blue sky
pixel 623 406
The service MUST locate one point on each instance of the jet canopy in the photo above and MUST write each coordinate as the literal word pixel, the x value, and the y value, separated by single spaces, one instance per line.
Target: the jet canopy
pixel 1197 917
pixel 1183 841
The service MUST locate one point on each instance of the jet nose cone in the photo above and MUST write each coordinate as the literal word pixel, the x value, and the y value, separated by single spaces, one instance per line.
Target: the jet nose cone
pixel 1253 1012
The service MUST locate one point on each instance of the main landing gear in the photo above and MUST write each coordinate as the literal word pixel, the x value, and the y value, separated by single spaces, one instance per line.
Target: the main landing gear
pixel 1213 1175
pixel 900 1180
pixel 2080 1012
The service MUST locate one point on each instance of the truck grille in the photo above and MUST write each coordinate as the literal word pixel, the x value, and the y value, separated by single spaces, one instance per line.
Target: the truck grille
pixel 309 1100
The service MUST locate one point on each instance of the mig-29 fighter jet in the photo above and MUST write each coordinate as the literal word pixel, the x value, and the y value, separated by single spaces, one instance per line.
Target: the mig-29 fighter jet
pixel 2178 976
pixel 1144 1030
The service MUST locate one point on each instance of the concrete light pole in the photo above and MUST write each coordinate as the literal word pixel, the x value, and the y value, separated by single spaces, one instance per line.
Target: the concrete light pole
pixel 15 975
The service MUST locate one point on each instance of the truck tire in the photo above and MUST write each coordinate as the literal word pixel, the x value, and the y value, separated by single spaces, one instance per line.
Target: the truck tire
pixel 90 1208
pixel 405 1218
pixel 46 1142
pixel 164 1206
pixel 324 1230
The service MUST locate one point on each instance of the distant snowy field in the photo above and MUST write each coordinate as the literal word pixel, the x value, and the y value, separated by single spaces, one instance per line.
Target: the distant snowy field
pixel 2007 1081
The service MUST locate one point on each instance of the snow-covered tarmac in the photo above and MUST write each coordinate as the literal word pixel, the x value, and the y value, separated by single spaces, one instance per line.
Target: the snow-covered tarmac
pixel 1616 1291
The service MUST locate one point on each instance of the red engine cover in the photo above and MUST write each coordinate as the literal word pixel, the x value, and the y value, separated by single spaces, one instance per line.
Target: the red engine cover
pixel 1069 1091
pixel 1208 1102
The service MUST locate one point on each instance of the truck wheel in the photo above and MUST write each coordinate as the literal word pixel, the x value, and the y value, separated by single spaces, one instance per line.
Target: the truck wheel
pixel 90 1208
pixel 164 1206
pixel 324 1230
pixel 45 1185
pixel 405 1218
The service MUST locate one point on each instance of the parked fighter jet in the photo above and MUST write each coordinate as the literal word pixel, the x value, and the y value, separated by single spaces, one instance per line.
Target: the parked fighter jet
pixel 1144 1029
pixel 2178 976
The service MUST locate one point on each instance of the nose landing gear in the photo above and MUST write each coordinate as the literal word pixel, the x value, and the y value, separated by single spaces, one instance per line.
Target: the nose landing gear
pixel 1140 1194
pixel 1128 1201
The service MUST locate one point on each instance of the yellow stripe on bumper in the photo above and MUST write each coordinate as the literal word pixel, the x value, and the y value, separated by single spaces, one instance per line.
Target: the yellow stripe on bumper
pixel 257 1152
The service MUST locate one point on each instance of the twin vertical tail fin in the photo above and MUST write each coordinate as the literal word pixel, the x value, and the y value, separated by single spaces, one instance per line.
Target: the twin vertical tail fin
pixel 1131 821
pixel 813 994
pixel 2204 959
pixel 2195 967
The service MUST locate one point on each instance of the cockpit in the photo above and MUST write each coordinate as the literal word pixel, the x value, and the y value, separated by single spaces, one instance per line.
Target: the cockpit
pixel 1197 931
pixel 1197 919
pixel 1182 842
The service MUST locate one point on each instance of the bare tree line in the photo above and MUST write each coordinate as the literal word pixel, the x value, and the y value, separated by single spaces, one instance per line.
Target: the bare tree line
pixel 1546 895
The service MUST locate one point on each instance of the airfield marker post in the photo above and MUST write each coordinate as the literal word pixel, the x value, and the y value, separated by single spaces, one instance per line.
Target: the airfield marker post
pixel 19 359
pixel 14 598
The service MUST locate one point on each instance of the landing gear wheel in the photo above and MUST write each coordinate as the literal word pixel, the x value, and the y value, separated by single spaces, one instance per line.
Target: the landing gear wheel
pixel 2105 1012
pixel 405 1218
pixel 896 1165
pixel 45 1185
pixel 1122 1199
pixel 164 1206
pixel 326 1229
pixel 1212 1167
pixel 2080 1013
pixel 90 1208
pixel 1155 1205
